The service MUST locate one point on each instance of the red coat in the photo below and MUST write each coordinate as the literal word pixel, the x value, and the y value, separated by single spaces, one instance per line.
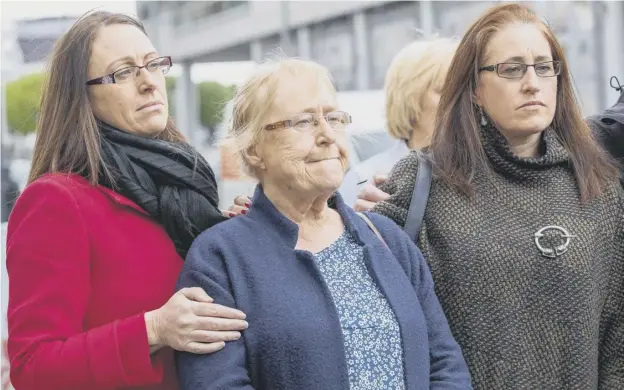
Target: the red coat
pixel 84 265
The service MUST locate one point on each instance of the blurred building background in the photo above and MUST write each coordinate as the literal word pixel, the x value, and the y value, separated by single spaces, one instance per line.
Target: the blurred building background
pixel 356 40
pixel 214 45
pixel 26 45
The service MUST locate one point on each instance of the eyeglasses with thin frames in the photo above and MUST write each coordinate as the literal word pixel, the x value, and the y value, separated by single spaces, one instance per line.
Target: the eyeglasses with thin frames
pixel 305 122
pixel 130 73
pixel 514 70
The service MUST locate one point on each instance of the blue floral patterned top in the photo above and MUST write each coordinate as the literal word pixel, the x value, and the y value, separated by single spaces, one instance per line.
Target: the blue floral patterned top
pixel 371 333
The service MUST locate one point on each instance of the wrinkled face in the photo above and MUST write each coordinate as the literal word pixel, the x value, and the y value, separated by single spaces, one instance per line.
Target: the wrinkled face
pixel 136 105
pixel 521 106
pixel 311 161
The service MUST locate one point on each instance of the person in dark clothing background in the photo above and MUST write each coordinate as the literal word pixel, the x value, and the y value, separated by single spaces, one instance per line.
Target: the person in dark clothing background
pixel 10 192
pixel 608 127
pixel 9 189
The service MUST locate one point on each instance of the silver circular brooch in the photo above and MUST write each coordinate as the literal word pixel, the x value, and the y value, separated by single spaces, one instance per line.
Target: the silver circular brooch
pixel 558 250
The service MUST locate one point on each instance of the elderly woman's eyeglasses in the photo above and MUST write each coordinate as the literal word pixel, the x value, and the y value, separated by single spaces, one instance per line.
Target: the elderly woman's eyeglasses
pixel 130 73
pixel 337 120
pixel 513 70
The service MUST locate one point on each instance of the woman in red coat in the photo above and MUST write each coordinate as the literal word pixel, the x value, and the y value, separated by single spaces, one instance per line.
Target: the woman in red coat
pixel 96 240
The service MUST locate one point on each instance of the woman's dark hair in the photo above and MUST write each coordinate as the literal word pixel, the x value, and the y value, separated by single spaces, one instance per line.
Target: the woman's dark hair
pixel 68 139
pixel 456 149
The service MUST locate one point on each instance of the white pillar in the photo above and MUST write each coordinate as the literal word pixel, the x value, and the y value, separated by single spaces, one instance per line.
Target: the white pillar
pixel 426 17
pixel 6 135
pixel 255 51
pixel 613 41
pixel 161 28
pixel 183 101
pixel 362 55
pixel 304 47
pixel 285 28
pixel 195 106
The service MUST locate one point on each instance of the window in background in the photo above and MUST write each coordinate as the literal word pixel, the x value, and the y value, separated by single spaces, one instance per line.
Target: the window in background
pixel 390 27
pixel 451 18
pixel 333 46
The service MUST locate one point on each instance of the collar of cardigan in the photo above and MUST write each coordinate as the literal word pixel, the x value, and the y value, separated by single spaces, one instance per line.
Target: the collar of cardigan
pixel 264 211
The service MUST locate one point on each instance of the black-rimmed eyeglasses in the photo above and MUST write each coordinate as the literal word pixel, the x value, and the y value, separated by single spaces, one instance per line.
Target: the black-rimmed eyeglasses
pixel 514 70
pixel 304 122
pixel 157 65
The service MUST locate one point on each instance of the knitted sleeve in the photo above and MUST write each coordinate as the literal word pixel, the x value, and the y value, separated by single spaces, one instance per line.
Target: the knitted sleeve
pixel 611 360
pixel 400 186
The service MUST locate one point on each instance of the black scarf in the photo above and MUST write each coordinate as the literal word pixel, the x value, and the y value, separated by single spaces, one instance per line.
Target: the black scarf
pixel 171 181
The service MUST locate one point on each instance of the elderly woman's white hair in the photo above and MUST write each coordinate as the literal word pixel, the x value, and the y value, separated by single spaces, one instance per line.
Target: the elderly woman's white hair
pixel 253 100
pixel 416 69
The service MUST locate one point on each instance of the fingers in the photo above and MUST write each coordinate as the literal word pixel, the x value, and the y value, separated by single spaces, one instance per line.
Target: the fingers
pixel 234 211
pixel 379 179
pixel 219 311
pixel 203 348
pixel 205 341
pixel 207 336
pixel 240 207
pixel 363 205
pixel 196 294
pixel 368 197
pixel 372 194
pixel 242 201
pixel 220 324
pixel 238 210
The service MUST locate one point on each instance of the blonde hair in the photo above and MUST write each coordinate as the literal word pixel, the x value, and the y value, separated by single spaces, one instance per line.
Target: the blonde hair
pixel 416 69
pixel 254 98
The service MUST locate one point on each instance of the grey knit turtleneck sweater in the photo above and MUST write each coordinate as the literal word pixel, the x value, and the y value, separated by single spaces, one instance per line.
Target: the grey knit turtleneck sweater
pixel 525 321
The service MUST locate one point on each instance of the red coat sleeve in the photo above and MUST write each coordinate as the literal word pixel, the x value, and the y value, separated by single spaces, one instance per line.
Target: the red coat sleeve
pixel 48 263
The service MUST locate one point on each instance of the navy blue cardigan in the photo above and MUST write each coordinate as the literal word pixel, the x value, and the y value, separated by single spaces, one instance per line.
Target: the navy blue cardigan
pixel 294 340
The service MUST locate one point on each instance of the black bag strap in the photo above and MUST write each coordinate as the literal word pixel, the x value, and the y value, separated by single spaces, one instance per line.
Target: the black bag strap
pixel 420 196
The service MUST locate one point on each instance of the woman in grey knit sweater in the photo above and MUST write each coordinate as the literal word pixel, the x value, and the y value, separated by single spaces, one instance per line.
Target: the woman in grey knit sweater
pixel 523 230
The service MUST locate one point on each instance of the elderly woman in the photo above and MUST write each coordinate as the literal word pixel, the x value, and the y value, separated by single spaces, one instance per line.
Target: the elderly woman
pixel 96 240
pixel 524 225
pixel 414 81
pixel 331 305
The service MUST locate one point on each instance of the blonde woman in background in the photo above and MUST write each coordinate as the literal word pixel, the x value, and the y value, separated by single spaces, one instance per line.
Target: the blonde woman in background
pixel 413 84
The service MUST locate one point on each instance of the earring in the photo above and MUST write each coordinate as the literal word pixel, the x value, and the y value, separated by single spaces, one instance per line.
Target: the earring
pixel 483 120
